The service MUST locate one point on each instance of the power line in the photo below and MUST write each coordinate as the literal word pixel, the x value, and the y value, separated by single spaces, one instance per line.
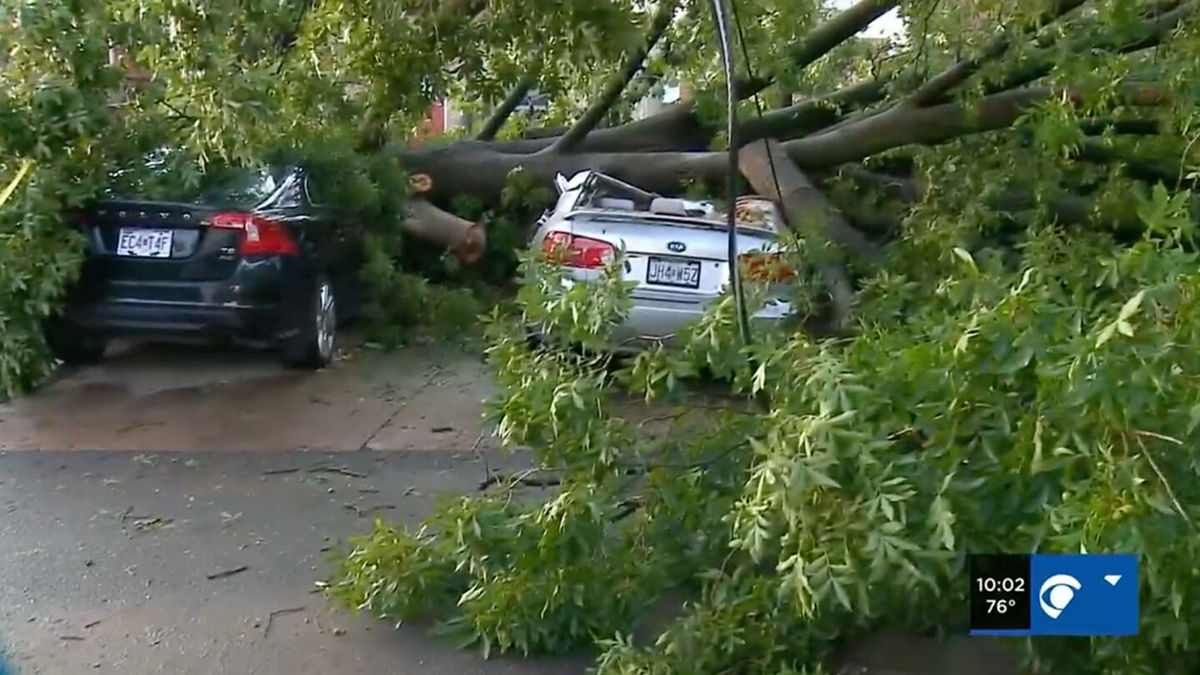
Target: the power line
pixel 731 183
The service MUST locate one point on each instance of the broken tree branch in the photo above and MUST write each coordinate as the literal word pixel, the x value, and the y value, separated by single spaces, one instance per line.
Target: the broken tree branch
pixel 812 115
pixel 1154 31
pixel 466 239
pixel 824 38
pixel 505 110
pixel 1140 168
pixel 942 83
pixel 634 62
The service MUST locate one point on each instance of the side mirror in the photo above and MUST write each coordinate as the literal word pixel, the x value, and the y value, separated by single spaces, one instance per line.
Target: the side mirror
pixel 560 182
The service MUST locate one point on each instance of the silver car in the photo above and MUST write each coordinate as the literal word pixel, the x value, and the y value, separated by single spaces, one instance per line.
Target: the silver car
pixel 675 250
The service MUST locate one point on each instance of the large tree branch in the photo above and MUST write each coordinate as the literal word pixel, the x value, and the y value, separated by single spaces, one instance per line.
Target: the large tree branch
pixel 772 174
pixel 1155 30
pixel 936 124
pixel 824 38
pixel 1065 208
pixel 478 169
pixel 942 83
pixel 678 129
pixel 503 111
pixel 675 128
pixel 612 92
pixel 1140 168
pixel 466 239
pixel 812 115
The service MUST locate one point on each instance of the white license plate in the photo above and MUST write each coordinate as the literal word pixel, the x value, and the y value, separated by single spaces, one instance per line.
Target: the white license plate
pixel 665 272
pixel 144 243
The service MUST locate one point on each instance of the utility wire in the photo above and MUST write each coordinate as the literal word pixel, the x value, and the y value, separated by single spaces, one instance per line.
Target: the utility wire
pixel 731 186
pixel 758 106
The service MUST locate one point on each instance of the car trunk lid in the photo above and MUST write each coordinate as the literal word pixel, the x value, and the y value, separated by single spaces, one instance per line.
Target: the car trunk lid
pixel 132 240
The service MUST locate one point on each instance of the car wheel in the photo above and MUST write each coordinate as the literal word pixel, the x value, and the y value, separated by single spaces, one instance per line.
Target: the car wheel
pixel 74 347
pixel 314 346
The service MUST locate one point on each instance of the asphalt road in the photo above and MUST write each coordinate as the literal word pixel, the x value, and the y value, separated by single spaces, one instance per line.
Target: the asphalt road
pixel 106 558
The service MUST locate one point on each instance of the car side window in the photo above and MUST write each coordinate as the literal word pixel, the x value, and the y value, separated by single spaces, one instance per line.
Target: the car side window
pixel 291 194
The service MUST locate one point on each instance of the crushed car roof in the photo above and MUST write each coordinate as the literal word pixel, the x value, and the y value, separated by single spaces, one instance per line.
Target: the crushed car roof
pixel 592 192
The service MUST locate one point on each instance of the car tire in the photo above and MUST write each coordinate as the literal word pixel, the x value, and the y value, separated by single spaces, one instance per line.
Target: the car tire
pixel 315 344
pixel 74 347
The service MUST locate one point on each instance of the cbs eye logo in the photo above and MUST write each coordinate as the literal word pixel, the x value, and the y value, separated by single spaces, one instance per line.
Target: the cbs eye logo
pixel 1056 593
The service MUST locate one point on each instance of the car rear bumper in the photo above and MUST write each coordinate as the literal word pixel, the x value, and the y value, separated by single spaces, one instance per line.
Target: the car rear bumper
pixel 656 321
pixel 136 318
pixel 250 308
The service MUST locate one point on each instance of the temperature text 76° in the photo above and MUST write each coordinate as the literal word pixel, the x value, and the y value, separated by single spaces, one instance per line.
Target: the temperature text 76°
pixel 999 606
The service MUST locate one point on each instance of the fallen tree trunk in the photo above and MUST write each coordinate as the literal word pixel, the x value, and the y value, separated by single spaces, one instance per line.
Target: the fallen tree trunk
pixel 805 211
pixel 478 169
pixel 465 239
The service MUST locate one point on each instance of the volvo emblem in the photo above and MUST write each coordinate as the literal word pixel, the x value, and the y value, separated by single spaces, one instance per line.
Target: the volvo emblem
pixel 676 246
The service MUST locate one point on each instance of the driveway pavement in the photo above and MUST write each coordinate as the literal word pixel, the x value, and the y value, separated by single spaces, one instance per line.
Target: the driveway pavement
pixel 167 397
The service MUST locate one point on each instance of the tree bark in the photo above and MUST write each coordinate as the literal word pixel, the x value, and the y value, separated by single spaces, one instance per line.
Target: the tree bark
pixel 612 92
pixel 678 129
pixel 765 162
pixel 466 239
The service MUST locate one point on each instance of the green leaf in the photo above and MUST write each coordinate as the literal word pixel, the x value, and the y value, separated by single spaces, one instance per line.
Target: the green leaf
pixel 1131 306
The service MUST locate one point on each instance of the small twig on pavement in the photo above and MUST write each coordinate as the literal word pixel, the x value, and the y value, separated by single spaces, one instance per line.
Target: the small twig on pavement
pixel 366 512
pixel 280 612
pixel 276 472
pixel 522 478
pixel 337 469
pixel 91 624
pixel 487 469
pixel 226 573
pixel 70 637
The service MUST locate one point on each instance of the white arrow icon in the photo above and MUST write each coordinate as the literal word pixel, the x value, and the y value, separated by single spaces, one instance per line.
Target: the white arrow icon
pixel 1112 579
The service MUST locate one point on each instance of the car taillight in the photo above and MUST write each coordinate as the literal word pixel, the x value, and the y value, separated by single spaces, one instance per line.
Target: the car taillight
pixel 574 251
pixel 260 236
pixel 767 267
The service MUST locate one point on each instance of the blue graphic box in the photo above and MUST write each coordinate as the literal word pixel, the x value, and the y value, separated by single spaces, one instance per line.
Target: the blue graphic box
pixel 1083 594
